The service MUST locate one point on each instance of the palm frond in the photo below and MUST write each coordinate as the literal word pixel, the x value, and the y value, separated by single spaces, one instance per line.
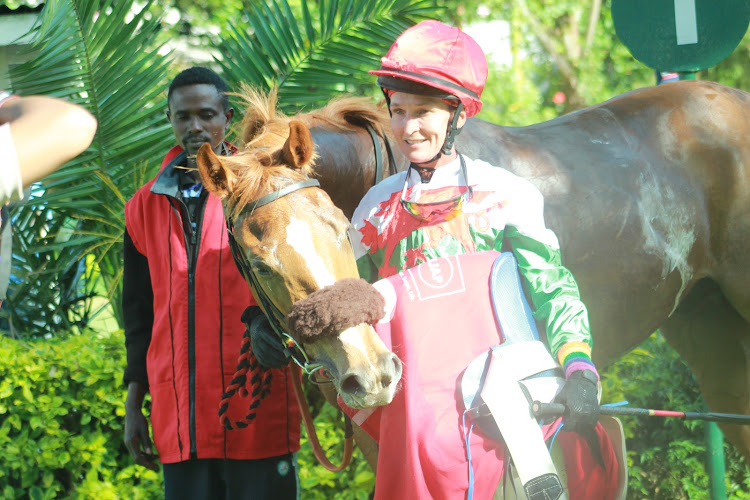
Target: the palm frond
pixel 324 49
pixel 100 54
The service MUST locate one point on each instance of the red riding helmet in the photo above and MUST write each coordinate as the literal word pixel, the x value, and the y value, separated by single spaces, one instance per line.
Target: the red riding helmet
pixel 443 58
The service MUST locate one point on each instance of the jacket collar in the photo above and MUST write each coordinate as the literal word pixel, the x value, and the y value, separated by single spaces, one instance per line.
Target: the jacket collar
pixel 167 182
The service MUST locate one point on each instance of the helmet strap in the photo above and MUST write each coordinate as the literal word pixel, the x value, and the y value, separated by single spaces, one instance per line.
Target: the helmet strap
pixel 450 136
pixel 453 130
pixel 387 101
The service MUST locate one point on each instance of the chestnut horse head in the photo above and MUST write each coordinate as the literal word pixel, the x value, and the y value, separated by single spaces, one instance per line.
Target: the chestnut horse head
pixel 290 241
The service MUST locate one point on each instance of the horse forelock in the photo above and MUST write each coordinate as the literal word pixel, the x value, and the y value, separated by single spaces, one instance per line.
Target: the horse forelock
pixel 254 180
pixel 260 110
pixel 265 130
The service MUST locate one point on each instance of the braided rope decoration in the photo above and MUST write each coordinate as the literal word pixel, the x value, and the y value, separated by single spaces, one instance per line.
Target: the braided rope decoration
pixel 259 386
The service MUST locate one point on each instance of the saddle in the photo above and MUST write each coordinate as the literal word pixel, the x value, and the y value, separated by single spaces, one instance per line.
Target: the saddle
pixel 498 387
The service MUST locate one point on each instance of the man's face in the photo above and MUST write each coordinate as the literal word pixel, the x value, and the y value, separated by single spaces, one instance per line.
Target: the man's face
pixel 197 116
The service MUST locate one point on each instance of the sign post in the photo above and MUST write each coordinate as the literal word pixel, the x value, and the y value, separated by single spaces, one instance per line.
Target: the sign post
pixel 680 36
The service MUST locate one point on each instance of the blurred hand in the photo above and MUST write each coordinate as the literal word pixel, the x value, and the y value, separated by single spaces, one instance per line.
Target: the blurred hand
pixel 136 438
pixel 267 346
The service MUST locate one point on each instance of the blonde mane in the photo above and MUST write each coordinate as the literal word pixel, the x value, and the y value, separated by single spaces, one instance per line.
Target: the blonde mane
pixel 340 114
pixel 265 129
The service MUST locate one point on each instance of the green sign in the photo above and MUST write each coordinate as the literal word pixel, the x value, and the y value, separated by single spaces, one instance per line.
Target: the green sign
pixel 680 35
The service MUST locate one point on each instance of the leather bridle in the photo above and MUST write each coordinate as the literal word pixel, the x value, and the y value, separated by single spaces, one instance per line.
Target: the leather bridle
pixel 291 348
pixel 275 317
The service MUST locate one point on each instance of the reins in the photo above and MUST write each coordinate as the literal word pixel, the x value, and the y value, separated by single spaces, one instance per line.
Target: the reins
pixel 312 434
pixel 379 154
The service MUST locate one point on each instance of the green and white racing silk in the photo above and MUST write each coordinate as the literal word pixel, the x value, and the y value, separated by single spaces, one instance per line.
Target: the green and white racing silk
pixel 504 212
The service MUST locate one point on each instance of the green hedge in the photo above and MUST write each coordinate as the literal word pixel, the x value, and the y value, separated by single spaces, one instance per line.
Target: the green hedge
pixel 61 419
pixel 61 427
pixel 666 456
pixel 62 412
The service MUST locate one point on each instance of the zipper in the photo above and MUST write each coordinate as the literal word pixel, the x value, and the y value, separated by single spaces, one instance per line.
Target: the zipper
pixel 192 248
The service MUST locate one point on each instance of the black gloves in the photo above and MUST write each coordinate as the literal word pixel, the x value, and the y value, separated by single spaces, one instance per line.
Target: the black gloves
pixel 267 346
pixel 580 397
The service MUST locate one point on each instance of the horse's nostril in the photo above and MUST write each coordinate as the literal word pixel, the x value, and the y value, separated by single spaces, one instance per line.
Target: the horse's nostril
pixel 397 366
pixel 391 372
pixel 350 385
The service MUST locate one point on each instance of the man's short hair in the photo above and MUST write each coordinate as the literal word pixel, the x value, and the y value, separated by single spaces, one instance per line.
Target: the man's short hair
pixel 198 75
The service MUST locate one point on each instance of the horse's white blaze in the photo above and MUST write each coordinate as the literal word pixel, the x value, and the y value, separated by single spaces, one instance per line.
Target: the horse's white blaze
pixel 299 237
pixel 352 338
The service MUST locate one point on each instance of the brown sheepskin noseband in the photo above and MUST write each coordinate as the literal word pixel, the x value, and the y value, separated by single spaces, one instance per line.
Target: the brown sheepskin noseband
pixel 328 311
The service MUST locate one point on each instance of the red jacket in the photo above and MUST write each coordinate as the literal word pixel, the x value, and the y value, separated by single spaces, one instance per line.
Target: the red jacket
pixel 194 339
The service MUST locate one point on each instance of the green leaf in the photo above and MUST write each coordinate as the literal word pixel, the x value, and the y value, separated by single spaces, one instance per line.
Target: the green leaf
pixel 35 493
pixel 27 394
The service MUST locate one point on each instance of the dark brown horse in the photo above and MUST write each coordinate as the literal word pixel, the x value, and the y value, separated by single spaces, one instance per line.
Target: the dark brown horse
pixel 649 195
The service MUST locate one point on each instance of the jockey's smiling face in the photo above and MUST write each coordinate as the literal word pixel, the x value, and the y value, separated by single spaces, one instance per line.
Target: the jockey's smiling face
pixel 198 116
pixel 420 125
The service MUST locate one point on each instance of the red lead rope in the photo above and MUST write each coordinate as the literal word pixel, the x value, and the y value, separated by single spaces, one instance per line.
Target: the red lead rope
pixel 312 436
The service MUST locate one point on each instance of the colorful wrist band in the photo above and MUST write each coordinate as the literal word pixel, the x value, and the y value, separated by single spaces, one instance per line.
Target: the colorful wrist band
pixel 580 364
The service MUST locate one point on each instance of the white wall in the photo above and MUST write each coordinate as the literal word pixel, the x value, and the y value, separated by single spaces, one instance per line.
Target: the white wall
pixel 13 27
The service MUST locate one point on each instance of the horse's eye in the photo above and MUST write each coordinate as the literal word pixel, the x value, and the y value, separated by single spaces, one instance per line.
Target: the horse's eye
pixel 261 269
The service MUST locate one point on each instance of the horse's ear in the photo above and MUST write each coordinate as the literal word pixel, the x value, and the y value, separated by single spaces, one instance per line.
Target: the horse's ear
pixel 217 178
pixel 298 148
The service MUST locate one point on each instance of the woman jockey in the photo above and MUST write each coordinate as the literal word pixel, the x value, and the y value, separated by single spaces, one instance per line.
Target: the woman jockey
pixel 445 204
